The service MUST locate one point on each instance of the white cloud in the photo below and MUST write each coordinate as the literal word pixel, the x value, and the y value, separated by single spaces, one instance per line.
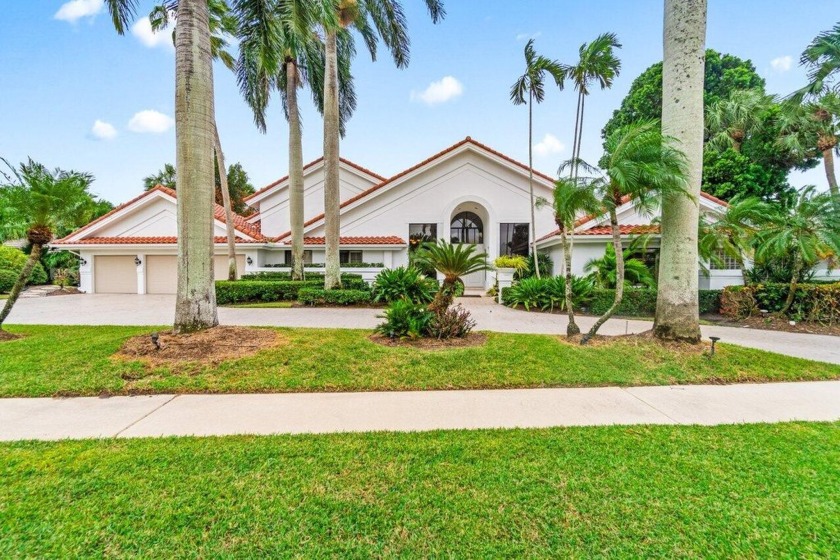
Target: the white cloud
pixel 142 29
pixel 550 144
pixel 526 36
pixel 76 9
pixel 102 130
pixel 443 90
pixel 782 63
pixel 151 122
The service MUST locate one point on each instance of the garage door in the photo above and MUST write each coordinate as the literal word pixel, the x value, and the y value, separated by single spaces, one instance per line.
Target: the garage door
pixel 162 272
pixel 115 275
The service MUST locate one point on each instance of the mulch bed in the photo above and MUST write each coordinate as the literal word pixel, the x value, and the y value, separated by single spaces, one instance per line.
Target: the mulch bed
pixel 472 339
pixel 209 346
pixel 69 291
pixel 772 322
pixel 639 339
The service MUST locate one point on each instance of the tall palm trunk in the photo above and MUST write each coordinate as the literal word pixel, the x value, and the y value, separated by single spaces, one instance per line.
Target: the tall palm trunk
pixel 794 282
pixel 225 188
pixel 828 163
pixel 195 299
pixel 619 278
pixel 295 170
pixel 531 182
pixel 571 328
pixel 677 306
pixel 332 270
pixel 573 169
pixel 23 278
pixel 579 138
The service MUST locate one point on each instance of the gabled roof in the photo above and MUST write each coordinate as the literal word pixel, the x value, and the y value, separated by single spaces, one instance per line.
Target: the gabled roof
pixel 149 240
pixel 309 165
pixel 357 240
pixel 240 224
pixel 386 182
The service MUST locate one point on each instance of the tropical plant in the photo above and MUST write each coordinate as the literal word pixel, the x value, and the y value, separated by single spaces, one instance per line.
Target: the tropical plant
pixel 683 71
pixel 546 266
pixel 517 262
pixel 166 177
pixel 570 199
pixel 604 271
pixel 405 319
pixel 732 119
pixel 549 293
pixel 641 167
pixel 40 202
pixel 374 19
pixel 528 89
pixel 822 57
pixel 453 322
pixel 403 282
pixel 453 261
pixel 809 232
pixel 730 233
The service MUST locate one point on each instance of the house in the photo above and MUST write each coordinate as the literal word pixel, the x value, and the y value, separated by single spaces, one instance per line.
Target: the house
pixel 466 193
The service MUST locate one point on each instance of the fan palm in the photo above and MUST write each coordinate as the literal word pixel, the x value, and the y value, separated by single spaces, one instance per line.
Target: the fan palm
pixel 453 261
pixel 604 271
pixel 571 198
pixel 640 166
pixel 279 49
pixel 36 204
pixel 809 231
pixel 731 120
pixel 374 20
pixel 528 89
pixel 730 233
pixel 822 56
pixel 597 63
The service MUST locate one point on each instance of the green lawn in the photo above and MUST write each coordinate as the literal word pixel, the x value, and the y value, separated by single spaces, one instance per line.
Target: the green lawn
pixel 61 360
pixel 748 491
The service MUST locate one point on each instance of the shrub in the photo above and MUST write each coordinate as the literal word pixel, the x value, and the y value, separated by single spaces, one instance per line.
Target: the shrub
pixel 642 301
pixel 320 296
pixel 38 275
pixel 546 267
pixel 244 291
pixel 454 322
pixel 14 259
pixel 811 302
pixel 548 293
pixel 7 280
pixel 403 282
pixel 405 319
pixel 511 261
pixel 350 281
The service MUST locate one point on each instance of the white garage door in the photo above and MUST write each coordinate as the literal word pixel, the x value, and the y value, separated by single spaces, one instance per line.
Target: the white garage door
pixel 115 275
pixel 162 272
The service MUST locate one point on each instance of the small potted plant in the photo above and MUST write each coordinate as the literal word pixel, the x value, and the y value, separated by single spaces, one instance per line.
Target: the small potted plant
pixel 506 267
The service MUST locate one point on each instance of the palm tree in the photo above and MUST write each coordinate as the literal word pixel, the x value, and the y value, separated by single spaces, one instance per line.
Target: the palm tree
pixel 822 56
pixel 813 128
pixel 453 261
pixel 731 120
pixel 596 63
pixel 571 199
pixel 527 89
pixel 683 75
pixel 166 177
pixel 279 49
pixel 731 232
pixel 36 204
pixel 643 167
pixel 222 25
pixel 604 271
pixel 373 19
pixel 809 232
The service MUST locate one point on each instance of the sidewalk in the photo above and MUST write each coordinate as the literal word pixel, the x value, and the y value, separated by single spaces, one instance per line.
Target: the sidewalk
pixel 206 415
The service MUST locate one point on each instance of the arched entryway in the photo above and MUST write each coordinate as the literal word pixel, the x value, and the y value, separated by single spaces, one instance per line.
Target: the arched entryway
pixel 467 226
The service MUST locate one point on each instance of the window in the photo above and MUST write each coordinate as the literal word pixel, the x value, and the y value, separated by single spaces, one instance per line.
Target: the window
pixel 513 239
pixel 349 257
pixel 420 233
pixel 307 257
pixel 722 261
pixel 467 227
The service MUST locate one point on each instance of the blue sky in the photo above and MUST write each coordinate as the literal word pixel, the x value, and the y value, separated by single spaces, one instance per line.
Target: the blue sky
pixel 74 94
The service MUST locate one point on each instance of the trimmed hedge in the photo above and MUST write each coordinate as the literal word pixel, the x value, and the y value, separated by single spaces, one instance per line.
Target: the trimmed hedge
pixel 642 301
pixel 320 296
pixel 350 281
pixel 248 291
pixel 811 302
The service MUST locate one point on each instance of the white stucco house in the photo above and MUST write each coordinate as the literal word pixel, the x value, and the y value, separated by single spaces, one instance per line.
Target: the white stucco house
pixel 467 193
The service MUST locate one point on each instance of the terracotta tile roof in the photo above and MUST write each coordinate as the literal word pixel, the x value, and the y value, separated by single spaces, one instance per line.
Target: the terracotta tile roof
pixel 311 164
pixel 623 229
pixel 453 147
pixel 357 240
pixel 239 222
pixel 144 240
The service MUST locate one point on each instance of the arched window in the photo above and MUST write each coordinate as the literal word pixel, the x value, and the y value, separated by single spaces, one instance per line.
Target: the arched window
pixel 467 228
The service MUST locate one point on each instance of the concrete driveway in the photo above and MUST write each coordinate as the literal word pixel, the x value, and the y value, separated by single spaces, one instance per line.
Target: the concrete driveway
pixel 105 309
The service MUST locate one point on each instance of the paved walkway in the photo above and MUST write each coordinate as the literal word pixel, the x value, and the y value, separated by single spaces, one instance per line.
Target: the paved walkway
pixel 206 415
pixel 104 309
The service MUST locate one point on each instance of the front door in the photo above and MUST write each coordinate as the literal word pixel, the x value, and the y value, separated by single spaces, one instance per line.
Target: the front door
pixel 468 228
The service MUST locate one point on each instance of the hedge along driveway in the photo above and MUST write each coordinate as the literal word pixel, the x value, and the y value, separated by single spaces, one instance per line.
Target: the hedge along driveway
pixel 60 360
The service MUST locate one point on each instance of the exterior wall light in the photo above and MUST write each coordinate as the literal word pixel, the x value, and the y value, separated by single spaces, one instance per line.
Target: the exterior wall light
pixel 137 261
pixel 249 260
pixel 82 261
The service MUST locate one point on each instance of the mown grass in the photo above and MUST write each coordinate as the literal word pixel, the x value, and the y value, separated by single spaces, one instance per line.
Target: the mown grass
pixel 62 360
pixel 748 491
